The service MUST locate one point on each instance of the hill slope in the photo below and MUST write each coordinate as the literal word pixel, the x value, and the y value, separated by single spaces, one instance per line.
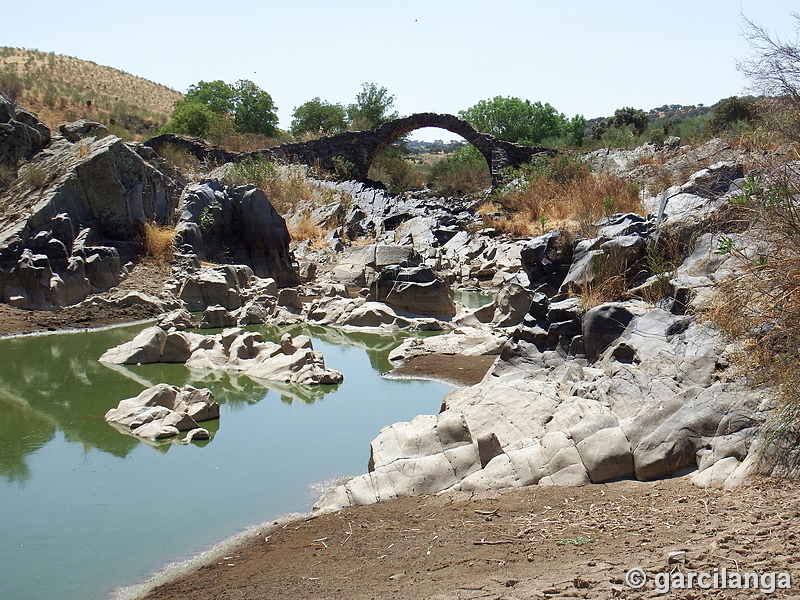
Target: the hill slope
pixel 62 88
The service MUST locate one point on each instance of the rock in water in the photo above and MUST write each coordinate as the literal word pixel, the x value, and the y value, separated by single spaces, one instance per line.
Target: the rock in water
pixel 293 360
pixel 164 410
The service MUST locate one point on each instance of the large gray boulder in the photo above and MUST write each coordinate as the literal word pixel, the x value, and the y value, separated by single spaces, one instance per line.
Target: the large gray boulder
pixel 239 225
pixel 76 131
pixel 22 135
pixel 74 225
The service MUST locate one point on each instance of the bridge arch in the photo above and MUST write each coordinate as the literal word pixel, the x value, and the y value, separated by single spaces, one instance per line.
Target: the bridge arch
pixel 393 130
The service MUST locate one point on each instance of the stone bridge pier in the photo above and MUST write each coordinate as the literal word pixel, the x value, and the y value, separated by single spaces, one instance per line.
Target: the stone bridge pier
pixel 354 151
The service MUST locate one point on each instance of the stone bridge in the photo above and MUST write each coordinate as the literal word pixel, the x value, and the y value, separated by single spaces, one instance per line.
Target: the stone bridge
pixel 351 153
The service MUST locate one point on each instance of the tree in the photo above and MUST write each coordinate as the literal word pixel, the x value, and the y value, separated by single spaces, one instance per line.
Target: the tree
pixel 318 116
pixel 217 96
pixel 218 106
pixel 732 110
pixel 190 118
pixel 623 118
pixel 254 110
pixel 516 120
pixel 371 108
pixel 774 72
pixel 774 68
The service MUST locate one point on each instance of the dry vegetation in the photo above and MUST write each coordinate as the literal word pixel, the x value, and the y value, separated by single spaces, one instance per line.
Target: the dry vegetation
pixel 158 242
pixel 560 193
pixel 759 305
pixel 293 194
pixel 62 88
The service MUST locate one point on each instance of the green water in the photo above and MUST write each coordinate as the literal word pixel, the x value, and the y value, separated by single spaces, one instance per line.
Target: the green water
pixel 85 509
pixel 473 298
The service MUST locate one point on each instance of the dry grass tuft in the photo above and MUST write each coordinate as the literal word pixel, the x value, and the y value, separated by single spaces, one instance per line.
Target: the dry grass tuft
pixel 35 175
pixel 565 192
pixel 158 242
pixel 611 281
pixel 306 229
pixel 179 157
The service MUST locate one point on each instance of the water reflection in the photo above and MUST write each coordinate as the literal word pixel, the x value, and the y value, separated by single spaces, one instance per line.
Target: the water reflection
pixel 55 383
pixel 75 491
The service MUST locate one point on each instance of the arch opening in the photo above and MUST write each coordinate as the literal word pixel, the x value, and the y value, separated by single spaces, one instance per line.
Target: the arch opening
pixel 459 167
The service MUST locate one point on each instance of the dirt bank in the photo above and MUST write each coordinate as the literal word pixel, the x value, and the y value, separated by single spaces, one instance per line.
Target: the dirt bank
pixel 145 277
pixel 535 542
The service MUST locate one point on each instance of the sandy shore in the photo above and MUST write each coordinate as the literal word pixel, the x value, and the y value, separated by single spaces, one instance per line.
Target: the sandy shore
pixel 534 542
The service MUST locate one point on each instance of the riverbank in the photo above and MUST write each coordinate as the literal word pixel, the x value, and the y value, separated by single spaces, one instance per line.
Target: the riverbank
pixel 533 542
pixel 145 277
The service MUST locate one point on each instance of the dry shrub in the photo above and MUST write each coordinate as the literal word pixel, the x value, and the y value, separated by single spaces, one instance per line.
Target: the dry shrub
pixel 759 306
pixel 610 283
pixel 305 229
pixel 518 225
pixel 286 186
pixel 6 175
pixel 565 192
pixel 181 158
pixel 35 175
pixel 158 242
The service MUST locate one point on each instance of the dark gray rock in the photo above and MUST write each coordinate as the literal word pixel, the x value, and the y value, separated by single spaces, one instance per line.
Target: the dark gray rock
pixel 22 135
pixel 238 225
pixel 602 325
pixel 76 131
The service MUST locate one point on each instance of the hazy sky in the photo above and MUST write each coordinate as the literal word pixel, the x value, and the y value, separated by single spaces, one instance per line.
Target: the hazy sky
pixel 583 57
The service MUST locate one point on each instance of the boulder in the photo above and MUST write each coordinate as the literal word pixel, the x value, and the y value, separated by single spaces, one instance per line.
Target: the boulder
pixel 22 135
pixel 76 131
pixel 146 347
pixel 224 286
pixel 236 224
pixel 415 289
pixel 602 325
pixel 180 319
pixel 216 317
pixel 291 361
pixel 165 410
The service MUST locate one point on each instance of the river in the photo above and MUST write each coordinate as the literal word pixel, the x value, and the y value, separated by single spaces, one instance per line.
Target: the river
pixel 87 509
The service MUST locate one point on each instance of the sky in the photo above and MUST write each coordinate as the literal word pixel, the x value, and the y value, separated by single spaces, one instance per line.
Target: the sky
pixel 581 56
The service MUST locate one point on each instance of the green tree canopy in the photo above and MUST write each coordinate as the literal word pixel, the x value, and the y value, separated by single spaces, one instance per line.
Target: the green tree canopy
pixel 371 108
pixel 254 110
pixel 215 105
pixel 521 121
pixel 319 116
pixel 623 117
pixel 732 110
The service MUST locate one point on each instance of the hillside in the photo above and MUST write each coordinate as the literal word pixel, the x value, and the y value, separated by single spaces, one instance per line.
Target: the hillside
pixel 62 88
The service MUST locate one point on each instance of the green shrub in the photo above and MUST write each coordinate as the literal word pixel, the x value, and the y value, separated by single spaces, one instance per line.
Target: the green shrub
pixel 398 174
pixel 462 172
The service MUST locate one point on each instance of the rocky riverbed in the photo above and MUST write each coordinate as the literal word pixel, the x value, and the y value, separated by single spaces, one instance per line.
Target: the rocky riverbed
pixel 558 387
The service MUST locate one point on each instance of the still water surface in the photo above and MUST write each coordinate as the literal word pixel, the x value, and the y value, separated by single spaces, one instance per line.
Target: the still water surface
pixel 85 509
